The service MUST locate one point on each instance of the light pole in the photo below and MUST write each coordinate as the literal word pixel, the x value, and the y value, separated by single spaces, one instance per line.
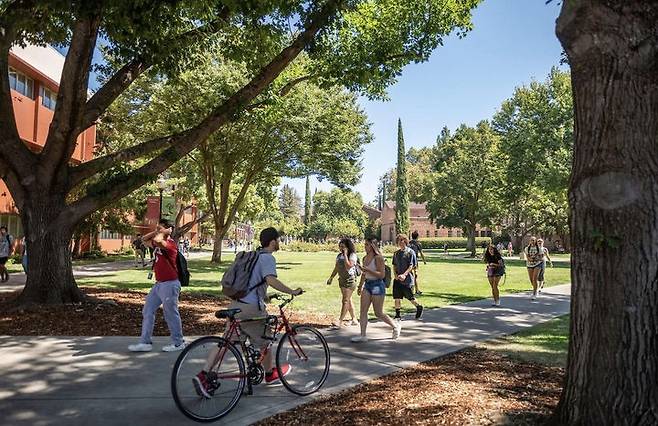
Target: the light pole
pixel 161 186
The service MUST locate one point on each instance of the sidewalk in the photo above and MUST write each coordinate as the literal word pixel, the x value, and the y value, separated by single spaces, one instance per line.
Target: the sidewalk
pixel 95 380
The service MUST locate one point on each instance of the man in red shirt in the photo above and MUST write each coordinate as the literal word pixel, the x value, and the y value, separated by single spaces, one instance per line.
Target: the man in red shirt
pixel 165 292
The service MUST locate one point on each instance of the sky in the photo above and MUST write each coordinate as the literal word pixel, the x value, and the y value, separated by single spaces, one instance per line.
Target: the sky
pixel 512 43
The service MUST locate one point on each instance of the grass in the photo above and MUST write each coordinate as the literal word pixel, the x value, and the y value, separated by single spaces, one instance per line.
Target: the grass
pixel 546 343
pixel 443 280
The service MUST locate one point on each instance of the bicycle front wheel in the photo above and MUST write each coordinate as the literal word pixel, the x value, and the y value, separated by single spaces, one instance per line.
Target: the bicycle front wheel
pixel 305 354
pixel 208 379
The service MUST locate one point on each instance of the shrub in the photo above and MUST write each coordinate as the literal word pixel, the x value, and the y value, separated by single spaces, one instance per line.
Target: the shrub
pixel 452 242
pixel 301 246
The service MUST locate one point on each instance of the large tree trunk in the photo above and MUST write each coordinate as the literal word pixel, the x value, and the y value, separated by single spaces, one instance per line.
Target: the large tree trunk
pixel 612 371
pixel 217 247
pixel 470 243
pixel 50 275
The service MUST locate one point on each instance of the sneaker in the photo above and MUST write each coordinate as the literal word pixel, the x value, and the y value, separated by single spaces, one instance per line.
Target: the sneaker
pixel 396 331
pixel 200 382
pixel 497 303
pixel 419 293
pixel 354 322
pixel 359 339
pixel 419 311
pixel 140 347
pixel 397 318
pixel 272 378
pixel 173 348
pixel 534 296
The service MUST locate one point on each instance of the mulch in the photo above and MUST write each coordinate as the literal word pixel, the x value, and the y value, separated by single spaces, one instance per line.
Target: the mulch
pixel 471 387
pixel 119 313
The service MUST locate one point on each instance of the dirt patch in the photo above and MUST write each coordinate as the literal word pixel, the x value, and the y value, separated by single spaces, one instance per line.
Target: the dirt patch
pixel 121 315
pixel 472 387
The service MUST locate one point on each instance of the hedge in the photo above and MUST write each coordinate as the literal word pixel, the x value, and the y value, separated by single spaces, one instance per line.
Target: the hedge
pixel 452 242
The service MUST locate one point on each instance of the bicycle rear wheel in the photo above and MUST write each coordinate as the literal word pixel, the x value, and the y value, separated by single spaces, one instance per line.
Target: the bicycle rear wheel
pixel 223 382
pixel 306 352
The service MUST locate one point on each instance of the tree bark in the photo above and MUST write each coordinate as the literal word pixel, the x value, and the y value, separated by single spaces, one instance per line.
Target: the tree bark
pixel 220 233
pixel 470 243
pixel 612 369
pixel 50 255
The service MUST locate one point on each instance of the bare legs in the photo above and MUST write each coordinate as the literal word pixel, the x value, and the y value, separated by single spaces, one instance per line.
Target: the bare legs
pixel 533 273
pixel 346 305
pixel 378 305
pixel 493 282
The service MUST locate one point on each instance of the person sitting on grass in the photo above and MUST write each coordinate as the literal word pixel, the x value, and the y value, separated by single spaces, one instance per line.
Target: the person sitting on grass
pixel 404 260
pixel 373 290
pixel 345 267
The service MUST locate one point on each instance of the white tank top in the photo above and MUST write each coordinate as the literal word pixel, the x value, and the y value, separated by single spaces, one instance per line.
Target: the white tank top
pixel 372 265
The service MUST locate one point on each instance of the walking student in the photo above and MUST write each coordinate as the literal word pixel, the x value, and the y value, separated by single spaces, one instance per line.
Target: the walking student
pixel 510 249
pixel 165 291
pixel 404 260
pixel 533 259
pixel 253 306
pixel 495 270
pixel 545 255
pixel 346 269
pixel 6 248
pixel 418 250
pixel 373 290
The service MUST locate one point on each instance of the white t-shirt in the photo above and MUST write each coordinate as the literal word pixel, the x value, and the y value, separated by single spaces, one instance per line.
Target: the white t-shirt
pixel 265 266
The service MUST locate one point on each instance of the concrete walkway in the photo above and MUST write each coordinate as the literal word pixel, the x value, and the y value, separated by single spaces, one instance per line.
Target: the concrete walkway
pixel 17 279
pixel 95 380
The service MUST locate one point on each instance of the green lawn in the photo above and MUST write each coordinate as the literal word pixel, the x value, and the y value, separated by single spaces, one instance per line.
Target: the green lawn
pixel 546 343
pixel 443 280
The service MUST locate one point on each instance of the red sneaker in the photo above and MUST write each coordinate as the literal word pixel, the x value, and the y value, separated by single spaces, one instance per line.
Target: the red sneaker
pixel 273 377
pixel 200 382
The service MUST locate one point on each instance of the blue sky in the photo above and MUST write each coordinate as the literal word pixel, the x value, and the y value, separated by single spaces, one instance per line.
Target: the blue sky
pixel 465 81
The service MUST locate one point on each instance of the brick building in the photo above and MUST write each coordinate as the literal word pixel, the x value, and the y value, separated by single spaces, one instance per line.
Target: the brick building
pixel 419 221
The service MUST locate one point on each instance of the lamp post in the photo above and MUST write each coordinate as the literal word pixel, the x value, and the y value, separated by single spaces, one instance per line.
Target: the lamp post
pixel 161 186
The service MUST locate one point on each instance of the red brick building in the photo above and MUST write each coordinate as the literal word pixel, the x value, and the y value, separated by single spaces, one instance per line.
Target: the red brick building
pixel 419 220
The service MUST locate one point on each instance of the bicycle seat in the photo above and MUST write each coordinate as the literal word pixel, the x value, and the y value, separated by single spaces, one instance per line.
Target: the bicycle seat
pixel 228 313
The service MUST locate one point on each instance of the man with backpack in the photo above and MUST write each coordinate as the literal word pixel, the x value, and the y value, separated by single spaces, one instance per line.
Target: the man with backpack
pixel 247 286
pixel 415 245
pixel 165 291
pixel 6 249
pixel 404 260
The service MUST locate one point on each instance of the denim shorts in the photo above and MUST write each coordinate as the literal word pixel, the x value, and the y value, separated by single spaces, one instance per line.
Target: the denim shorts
pixel 375 287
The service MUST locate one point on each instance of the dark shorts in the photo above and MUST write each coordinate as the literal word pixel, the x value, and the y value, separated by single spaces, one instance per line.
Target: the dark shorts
pixel 402 291
pixel 495 272
pixel 534 267
pixel 540 277
pixel 375 287
pixel 3 260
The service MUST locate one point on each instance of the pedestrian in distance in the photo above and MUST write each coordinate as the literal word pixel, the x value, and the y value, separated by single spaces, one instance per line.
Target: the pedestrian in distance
pixel 545 256
pixel 495 270
pixel 533 259
pixel 346 267
pixel 510 249
pixel 6 250
pixel 165 291
pixel 417 247
pixel 404 260
pixel 372 290
pixel 140 250
pixel 24 254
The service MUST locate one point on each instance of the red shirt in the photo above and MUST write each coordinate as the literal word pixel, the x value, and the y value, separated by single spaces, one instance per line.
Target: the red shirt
pixel 165 269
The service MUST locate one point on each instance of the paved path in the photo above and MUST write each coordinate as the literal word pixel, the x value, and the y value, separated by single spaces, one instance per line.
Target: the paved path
pixel 95 381
pixel 17 279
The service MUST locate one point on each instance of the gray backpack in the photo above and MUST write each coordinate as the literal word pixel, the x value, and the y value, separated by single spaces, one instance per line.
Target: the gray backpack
pixel 235 282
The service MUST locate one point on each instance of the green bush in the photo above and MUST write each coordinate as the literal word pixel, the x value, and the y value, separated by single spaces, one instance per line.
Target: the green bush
pixel 453 242
pixel 304 247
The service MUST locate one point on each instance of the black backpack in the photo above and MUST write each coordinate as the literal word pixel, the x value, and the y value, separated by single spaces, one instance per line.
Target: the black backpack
pixel 181 268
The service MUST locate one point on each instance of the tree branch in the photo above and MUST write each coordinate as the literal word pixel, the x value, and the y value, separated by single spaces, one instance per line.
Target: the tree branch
pixel 220 116
pixel 128 73
pixel 72 96
pixel 184 229
pixel 283 92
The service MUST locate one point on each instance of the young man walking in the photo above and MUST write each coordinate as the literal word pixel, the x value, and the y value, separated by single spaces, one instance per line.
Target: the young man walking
pixel 253 306
pixel 415 245
pixel 6 249
pixel 403 263
pixel 165 291
pixel 545 255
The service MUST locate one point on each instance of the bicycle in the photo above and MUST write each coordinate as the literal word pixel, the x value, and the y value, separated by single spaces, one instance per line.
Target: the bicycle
pixel 302 347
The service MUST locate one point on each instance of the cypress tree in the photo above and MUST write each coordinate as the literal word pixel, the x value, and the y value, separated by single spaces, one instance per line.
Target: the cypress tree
pixel 401 194
pixel 307 202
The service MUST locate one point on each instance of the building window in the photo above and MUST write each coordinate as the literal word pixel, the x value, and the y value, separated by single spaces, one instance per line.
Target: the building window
pixel 436 233
pixel 449 232
pixel 427 233
pixel 21 83
pixel 48 98
pixel 109 235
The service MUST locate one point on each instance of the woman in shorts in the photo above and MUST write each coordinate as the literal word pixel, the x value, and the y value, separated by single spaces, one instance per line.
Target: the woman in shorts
pixel 495 270
pixel 373 290
pixel 533 259
pixel 346 269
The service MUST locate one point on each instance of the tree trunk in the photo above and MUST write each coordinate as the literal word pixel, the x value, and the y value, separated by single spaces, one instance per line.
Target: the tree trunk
pixel 50 275
pixel 612 370
pixel 470 243
pixel 220 233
